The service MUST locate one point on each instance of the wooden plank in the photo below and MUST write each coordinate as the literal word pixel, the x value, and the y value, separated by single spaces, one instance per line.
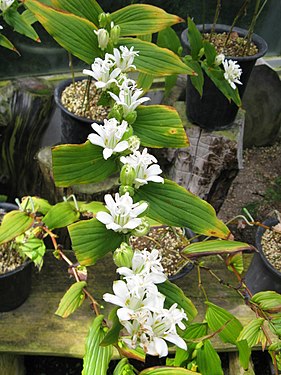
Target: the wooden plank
pixel 235 367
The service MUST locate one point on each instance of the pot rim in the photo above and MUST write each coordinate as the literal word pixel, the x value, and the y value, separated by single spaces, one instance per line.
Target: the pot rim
pixel 25 264
pixel 258 40
pixel 57 96
pixel 260 231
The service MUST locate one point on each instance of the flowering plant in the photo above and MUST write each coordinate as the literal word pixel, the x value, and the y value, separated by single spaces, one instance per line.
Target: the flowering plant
pixel 150 312
pixel 20 22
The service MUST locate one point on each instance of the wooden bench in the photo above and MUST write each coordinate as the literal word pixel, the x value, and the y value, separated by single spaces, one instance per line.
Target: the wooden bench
pixel 34 329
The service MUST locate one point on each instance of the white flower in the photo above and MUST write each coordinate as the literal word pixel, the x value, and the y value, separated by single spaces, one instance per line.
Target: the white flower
pixel 123 213
pixel 109 136
pixel 129 98
pixel 145 167
pixel 103 38
pixel 5 4
pixel 103 72
pixel 125 59
pixel 1 27
pixel 232 72
pixel 219 59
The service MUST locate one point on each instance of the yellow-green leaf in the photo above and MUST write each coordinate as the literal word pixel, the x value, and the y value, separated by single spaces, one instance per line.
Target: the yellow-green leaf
pixel 92 207
pixel 167 370
pixel 213 247
pixel 4 42
pixel 173 205
pixel 60 215
pixel 97 358
pixel 91 240
pixel 141 19
pixel 208 360
pixel 19 23
pixel 38 204
pixel 253 333
pixel 75 34
pixel 13 224
pixel 160 126
pixel 81 164
pixel 155 60
pixel 89 9
pixel 72 299
pixel 268 300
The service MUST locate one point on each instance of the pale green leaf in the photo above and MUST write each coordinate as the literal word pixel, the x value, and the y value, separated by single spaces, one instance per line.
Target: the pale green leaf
pixel 72 299
pixel 145 81
pixel 112 335
pixel 81 164
pixel 219 318
pixel 141 19
pixel 13 224
pixel 89 9
pixel 195 39
pixel 167 370
pixel 210 52
pixel 4 42
pixel 37 204
pixel 236 261
pixel 208 360
pixel 73 33
pixel 92 207
pixel 91 240
pixel 159 126
pixel 173 295
pixel 253 333
pixel 214 247
pixel 124 368
pixel 155 60
pixel 195 331
pixel 61 215
pixel 19 24
pixel 173 205
pixel 269 301
pixel 244 353
pixel 97 358
pixel 32 247
pixel 29 17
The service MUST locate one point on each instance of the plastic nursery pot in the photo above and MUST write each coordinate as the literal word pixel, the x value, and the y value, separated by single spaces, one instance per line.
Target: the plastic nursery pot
pixel 213 111
pixel 74 129
pixel 15 285
pixel 189 267
pixel 262 275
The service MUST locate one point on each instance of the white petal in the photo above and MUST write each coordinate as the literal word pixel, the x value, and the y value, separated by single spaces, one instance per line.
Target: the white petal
pixel 113 226
pixel 96 140
pixel 140 209
pixel 104 217
pixel 132 224
pixel 177 340
pixel 121 146
pixel 124 314
pixel 107 152
pixel 156 179
pixel 158 347
pixel 111 298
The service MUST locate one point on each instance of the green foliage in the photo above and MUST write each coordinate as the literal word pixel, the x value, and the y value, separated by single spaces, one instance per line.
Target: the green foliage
pixel 208 360
pixel 14 224
pixel 72 299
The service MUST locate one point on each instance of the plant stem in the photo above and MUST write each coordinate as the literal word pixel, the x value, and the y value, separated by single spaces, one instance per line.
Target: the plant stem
pixel 252 26
pixel 203 15
pixel 70 62
pixel 218 8
pixel 238 15
pixel 86 98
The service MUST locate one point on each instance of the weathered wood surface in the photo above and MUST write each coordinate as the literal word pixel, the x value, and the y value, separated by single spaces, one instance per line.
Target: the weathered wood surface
pixel 25 109
pixel 33 328
pixel 208 166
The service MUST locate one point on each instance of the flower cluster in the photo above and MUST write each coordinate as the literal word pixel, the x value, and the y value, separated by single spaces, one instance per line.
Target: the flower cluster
pixel 142 312
pixel 232 70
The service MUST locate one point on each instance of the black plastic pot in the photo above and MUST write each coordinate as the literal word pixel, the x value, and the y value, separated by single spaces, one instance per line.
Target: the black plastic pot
pixel 15 285
pixel 189 267
pixel 74 129
pixel 261 275
pixel 213 111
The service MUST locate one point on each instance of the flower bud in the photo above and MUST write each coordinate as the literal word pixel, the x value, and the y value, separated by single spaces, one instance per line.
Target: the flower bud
pixel 134 143
pixel 103 19
pixel 128 133
pixel 123 189
pixel 115 113
pixel 131 117
pixel 103 38
pixel 127 175
pixel 115 34
pixel 142 229
pixel 123 255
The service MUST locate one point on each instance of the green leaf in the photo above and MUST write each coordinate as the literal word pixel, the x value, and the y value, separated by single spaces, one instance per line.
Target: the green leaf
pixel 20 25
pixel 275 326
pixel 195 331
pixel 91 240
pixel 236 261
pixel 125 351
pixel 216 74
pixel 13 224
pixel 112 335
pixel 210 52
pixel 36 203
pixel 217 317
pixel 175 295
pixel 167 370
pixel 253 333
pixel 214 247
pixel 155 60
pixel 170 82
pixel 197 81
pixel 89 9
pixel 97 358
pixel 208 360
pixel 72 299
pixel 145 81
pixel 269 301
pixel 81 164
pixel 141 19
pixel 195 39
pixel 4 42
pixel 29 17
pixel 61 215
pixel 159 126
pixel 32 247
pixel 92 207
pixel 173 205
pixel 124 368
pixel 73 33
pixel 168 38
pixel 244 353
